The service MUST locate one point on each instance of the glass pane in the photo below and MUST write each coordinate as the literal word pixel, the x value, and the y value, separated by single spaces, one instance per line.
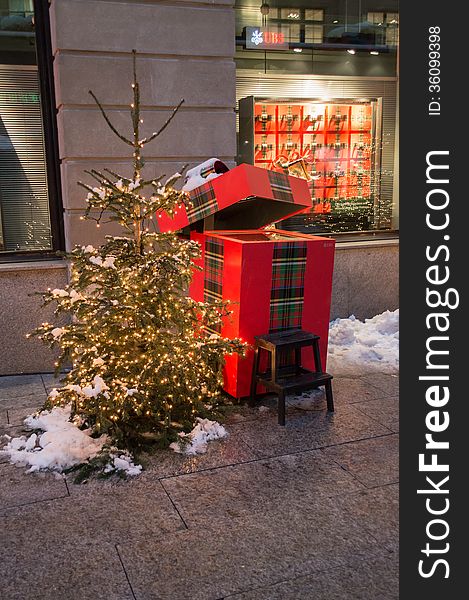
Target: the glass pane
pixel 295 32
pixel 313 34
pixel 314 14
pixel 24 204
pixel 335 145
pixel 290 13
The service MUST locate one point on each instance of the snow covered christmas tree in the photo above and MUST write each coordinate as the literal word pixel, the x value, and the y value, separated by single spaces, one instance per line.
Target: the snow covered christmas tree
pixel 143 364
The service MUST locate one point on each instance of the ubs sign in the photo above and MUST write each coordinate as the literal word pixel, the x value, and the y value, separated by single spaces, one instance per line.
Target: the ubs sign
pixel 259 38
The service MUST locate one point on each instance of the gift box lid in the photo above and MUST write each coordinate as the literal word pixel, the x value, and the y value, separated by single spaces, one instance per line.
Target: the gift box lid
pixel 246 197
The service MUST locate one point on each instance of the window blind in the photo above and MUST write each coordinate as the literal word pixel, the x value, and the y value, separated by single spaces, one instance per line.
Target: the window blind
pixel 24 204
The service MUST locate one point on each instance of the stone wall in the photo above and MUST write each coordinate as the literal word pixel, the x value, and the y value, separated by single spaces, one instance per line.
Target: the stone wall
pixel 366 279
pixel 21 311
pixel 185 50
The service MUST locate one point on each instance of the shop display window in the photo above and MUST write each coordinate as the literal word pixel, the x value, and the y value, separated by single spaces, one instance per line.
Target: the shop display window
pixel 338 145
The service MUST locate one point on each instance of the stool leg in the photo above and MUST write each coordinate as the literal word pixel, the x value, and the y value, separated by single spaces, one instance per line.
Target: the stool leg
pixel 329 397
pixel 255 371
pixel 281 408
pixel 317 357
pixel 297 359
pixel 274 364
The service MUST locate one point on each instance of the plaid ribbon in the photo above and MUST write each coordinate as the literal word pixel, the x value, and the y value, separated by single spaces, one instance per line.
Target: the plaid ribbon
pixel 213 270
pixel 202 203
pixel 287 293
pixel 280 186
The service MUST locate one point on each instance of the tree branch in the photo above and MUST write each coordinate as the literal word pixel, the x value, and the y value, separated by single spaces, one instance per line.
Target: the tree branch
pixel 163 127
pixel 110 125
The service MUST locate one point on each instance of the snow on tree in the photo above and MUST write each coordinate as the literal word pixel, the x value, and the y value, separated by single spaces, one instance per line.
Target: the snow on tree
pixel 143 363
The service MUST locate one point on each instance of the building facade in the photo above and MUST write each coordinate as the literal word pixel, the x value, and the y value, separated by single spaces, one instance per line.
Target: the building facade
pixel 336 59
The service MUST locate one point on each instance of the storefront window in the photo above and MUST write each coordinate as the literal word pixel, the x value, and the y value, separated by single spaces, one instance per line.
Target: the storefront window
pixel 318 36
pixel 25 223
pixel 317 97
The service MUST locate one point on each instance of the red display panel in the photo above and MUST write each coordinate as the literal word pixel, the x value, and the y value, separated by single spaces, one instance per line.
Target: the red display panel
pixel 335 139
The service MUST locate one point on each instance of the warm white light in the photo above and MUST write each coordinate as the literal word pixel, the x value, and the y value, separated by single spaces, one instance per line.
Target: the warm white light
pixel 374 52
pixel 335 21
pixel 293 15
pixel 297 49
pixel 351 51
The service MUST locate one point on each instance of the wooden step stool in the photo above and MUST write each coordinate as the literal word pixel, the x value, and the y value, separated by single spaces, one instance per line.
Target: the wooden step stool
pixel 290 378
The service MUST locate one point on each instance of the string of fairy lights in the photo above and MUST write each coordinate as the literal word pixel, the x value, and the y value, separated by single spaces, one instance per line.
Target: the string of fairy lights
pixel 141 354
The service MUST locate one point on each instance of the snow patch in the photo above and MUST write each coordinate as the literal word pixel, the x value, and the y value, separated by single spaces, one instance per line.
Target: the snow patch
pixel 107 263
pixel 124 463
pixel 75 296
pixel 356 347
pixel 58 444
pixel 94 389
pixel 195 442
pixel 134 184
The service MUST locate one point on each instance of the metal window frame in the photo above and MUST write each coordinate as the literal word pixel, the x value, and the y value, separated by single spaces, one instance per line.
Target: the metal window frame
pixel 51 143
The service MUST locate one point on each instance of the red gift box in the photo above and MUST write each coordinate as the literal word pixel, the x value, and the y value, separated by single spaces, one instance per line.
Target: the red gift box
pixel 272 197
pixel 276 281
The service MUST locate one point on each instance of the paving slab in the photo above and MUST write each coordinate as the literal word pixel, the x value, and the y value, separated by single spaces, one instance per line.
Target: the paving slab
pixel 31 402
pixel 50 381
pixel 18 488
pixel 228 451
pixel 52 568
pixel 16 416
pixel 12 431
pixel 371 579
pixel 308 430
pixel 20 386
pixel 268 513
pixel 100 512
pixel 265 407
pixel 355 390
pixel 378 512
pixel 374 462
pixel 292 481
pixel 387 383
pixel 385 411
pixel 212 562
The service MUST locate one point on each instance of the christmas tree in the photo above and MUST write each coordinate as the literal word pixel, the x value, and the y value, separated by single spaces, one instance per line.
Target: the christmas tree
pixel 143 361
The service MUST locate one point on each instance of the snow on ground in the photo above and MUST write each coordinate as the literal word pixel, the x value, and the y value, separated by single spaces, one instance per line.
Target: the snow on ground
pixel 57 444
pixel 357 347
pixel 195 442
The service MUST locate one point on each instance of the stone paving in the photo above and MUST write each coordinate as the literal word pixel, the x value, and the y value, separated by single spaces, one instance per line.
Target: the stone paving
pixel 309 511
